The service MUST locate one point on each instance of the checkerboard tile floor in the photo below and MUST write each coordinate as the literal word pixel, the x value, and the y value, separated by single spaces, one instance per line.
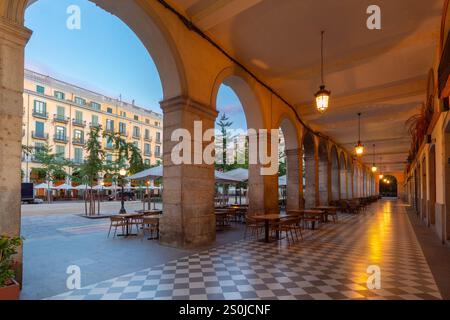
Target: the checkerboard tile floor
pixel 330 263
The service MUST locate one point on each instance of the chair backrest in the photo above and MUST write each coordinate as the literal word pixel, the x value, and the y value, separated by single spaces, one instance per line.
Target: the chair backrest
pixel 116 218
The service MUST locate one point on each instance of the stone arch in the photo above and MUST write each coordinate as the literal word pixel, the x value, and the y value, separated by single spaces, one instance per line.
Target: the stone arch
pixel 151 31
pixel 335 184
pixel 324 192
pixel 259 198
pixel 309 170
pixel 343 176
pixel 293 153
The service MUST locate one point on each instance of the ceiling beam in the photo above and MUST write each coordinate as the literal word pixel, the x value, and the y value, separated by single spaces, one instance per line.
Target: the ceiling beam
pixel 219 11
pixel 412 87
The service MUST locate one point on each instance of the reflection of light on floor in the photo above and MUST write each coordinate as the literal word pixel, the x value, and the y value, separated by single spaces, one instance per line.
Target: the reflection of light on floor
pixel 379 234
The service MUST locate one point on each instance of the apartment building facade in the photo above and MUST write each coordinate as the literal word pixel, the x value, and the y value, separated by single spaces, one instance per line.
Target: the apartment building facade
pixel 61 114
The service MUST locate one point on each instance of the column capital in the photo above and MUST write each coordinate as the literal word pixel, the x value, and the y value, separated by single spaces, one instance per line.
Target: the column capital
pixel 183 103
pixel 14 32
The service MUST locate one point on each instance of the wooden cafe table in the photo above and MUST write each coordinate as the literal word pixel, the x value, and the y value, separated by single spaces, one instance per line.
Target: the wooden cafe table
pixel 327 211
pixel 267 218
pixel 312 216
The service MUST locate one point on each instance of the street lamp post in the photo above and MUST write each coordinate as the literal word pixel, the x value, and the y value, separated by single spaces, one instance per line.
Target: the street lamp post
pixel 122 174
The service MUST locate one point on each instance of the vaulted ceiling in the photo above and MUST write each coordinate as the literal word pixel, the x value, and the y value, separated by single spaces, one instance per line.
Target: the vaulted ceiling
pixel 380 73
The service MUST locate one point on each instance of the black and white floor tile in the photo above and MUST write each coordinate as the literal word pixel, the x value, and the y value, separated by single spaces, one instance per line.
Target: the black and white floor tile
pixel 330 263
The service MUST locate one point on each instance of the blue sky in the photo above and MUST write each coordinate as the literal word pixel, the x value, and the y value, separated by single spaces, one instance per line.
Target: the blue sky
pixel 104 56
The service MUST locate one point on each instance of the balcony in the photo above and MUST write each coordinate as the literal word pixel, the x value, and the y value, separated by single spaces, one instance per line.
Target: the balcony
pixel 60 119
pixel 109 130
pixel 40 115
pixel 39 135
pixel 94 125
pixel 158 141
pixel 136 135
pixel 60 138
pixel 79 123
pixel 148 138
pixel 147 153
pixel 78 142
pixel 77 161
pixel 124 133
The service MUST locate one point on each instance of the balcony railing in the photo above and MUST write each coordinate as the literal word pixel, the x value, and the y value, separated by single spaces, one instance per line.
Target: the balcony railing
pixel 94 125
pixel 147 153
pixel 78 142
pixel 42 115
pixel 61 119
pixel 79 123
pixel 136 135
pixel 148 138
pixel 60 138
pixel 124 133
pixel 77 161
pixel 158 141
pixel 39 135
pixel 109 130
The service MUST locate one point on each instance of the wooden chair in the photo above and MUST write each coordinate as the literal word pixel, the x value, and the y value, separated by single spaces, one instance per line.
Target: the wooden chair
pixel 287 226
pixel 150 224
pixel 117 222
pixel 253 226
pixel 137 222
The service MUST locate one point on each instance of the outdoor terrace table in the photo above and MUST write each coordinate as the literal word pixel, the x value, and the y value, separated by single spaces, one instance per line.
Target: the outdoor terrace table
pixel 313 216
pixel 327 210
pixel 150 212
pixel 128 217
pixel 267 218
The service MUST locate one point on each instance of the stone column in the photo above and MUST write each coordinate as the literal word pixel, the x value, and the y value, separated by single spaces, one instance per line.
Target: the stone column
pixel 293 179
pixel 324 192
pixel 262 189
pixel 188 196
pixel 13 38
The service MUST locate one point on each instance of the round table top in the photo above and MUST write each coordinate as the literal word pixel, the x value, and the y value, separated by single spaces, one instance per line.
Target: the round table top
pixel 325 207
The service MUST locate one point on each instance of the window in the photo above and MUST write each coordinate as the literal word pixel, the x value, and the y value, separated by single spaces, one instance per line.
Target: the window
pixel 60 133
pixel 136 144
pixel 147 149
pixel 122 128
pixel 40 107
pixel 80 101
pixel 158 136
pixel 40 89
pixel 136 118
pixel 96 106
pixel 156 124
pixel 108 157
pixel 78 155
pixel 59 95
pixel 109 143
pixel 147 134
pixel 60 112
pixel 60 152
pixel 109 125
pixel 147 121
pixel 38 147
pixel 123 114
pixel 109 110
pixel 94 120
pixel 39 129
pixel 78 116
pixel 78 136
pixel 136 132
pixel 158 151
pixel 147 162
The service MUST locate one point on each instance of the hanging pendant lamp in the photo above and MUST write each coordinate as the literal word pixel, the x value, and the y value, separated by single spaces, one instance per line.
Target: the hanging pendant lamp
pixel 359 148
pixel 323 95
pixel 374 167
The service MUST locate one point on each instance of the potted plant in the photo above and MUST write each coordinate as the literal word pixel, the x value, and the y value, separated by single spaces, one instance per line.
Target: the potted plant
pixel 9 288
